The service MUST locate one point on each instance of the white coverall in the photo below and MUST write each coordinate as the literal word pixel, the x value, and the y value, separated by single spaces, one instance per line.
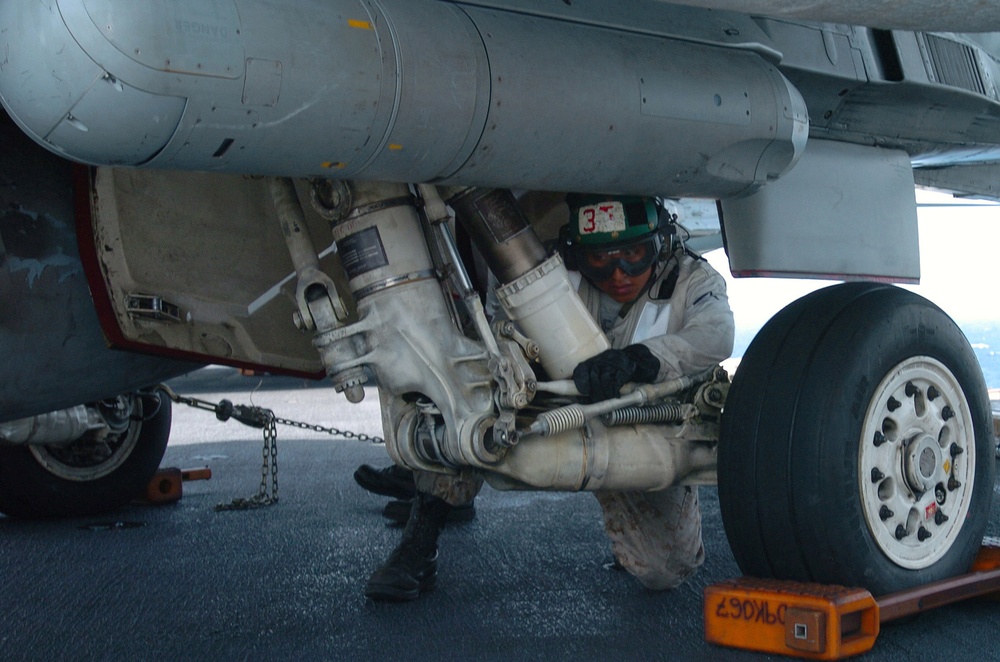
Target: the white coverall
pixel 656 536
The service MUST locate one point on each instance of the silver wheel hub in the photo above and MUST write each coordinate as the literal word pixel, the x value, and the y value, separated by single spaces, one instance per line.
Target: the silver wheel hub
pixel 96 454
pixel 922 461
pixel 916 462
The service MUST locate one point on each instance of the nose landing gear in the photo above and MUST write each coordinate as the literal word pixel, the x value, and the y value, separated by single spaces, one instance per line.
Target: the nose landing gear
pixel 856 444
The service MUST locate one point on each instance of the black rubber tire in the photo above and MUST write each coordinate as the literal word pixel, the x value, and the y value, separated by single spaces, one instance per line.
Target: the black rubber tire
pixel 789 444
pixel 30 491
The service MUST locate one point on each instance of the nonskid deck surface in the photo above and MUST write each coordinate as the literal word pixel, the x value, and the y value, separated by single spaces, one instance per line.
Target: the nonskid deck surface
pixel 528 578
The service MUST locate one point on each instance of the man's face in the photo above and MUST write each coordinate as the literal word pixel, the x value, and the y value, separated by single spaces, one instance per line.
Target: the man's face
pixel 622 287
pixel 621 273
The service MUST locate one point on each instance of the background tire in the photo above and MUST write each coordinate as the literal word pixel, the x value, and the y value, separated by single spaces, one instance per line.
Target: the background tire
pixel 803 476
pixel 50 481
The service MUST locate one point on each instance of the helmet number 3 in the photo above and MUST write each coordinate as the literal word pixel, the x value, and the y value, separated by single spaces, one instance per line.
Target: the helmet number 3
pixel 603 217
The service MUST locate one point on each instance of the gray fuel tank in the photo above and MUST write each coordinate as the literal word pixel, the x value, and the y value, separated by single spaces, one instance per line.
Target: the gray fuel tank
pixel 399 90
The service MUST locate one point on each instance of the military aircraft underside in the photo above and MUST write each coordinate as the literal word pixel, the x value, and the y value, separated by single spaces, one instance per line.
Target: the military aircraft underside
pixel 302 187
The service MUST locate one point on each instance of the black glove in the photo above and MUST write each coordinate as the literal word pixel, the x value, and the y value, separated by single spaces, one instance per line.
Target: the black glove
pixel 603 376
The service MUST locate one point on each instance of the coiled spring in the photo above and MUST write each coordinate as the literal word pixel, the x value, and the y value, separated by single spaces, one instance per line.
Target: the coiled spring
pixel 559 420
pixel 662 413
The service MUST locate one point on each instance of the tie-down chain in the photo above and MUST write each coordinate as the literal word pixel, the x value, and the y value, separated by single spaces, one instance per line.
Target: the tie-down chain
pixel 260 417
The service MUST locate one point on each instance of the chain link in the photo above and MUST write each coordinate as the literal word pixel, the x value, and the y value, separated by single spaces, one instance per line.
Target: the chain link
pixel 217 408
pixel 265 419
pixel 270 456
pixel 346 434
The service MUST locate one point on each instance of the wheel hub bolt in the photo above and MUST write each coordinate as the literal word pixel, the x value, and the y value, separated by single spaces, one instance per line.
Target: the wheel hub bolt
pixel 900 532
pixel 956 450
pixel 953 484
pixel 893 404
pixel 911 390
pixel 923 534
pixel 879 438
pixel 940 518
pixel 884 513
pixel 932 393
pixel 947 413
pixel 877 475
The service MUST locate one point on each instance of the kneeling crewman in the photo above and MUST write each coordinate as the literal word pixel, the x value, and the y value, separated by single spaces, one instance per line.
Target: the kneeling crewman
pixel 666 314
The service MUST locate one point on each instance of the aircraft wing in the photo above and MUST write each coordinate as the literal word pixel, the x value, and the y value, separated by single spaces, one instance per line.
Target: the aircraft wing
pixel 920 15
pixel 974 180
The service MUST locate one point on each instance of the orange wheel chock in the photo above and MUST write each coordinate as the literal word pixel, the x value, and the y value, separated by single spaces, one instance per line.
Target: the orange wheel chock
pixel 815 621
pixel 823 622
pixel 166 484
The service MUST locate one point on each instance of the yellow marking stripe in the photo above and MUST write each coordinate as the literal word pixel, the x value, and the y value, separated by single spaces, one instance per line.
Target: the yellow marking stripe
pixel 364 25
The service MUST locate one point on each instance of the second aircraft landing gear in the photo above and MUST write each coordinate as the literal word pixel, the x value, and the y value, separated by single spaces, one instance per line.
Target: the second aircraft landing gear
pixel 91 471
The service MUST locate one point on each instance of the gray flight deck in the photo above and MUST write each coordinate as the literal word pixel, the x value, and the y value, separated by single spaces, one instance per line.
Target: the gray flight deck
pixel 529 578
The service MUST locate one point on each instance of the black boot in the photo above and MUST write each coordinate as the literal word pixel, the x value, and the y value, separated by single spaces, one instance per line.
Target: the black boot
pixel 392 481
pixel 411 568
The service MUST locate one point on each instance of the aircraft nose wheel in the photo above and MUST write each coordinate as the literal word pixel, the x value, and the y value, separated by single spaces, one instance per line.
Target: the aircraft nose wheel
pixel 918 462
pixel 856 444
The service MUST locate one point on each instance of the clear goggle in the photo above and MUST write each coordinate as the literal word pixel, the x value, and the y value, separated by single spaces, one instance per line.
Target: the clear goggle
pixel 633 259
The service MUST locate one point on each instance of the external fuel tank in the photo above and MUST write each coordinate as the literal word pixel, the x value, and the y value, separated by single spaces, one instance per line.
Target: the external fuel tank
pixel 398 90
